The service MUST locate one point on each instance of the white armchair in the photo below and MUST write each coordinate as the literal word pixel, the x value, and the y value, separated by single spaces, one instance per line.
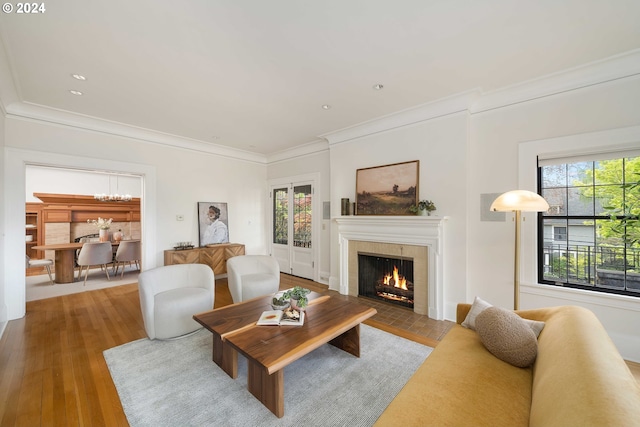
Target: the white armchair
pixel 251 276
pixel 171 295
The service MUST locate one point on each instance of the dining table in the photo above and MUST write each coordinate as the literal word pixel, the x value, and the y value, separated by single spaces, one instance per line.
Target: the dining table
pixel 65 259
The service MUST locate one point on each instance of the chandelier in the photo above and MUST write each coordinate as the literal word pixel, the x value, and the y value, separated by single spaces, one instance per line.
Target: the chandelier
pixel 113 197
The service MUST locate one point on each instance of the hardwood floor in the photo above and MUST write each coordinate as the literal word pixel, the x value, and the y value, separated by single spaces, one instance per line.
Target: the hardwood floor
pixel 52 372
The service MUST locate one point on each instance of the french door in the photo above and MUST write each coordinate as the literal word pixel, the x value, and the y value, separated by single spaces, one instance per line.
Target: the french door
pixel 292 228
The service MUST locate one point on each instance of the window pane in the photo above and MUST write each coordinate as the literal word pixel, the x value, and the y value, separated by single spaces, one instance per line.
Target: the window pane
pixel 579 173
pixel 632 170
pixel 580 201
pixel 560 233
pixel 557 199
pixel 580 238
pixel 632 190
pixel 280 216
pixel 553 259
pixel 610 263
pixel 608 172
pixel 302 216
pixel 554 176
pixel 607 198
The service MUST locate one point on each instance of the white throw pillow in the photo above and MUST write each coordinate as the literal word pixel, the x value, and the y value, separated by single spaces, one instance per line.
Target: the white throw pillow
pixel 478 306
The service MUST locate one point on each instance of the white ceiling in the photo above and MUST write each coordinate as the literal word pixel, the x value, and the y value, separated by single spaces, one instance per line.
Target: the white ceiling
pixel 254 74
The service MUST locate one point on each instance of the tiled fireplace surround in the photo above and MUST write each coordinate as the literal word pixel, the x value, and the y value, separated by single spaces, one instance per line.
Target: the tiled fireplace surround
pixel 419 237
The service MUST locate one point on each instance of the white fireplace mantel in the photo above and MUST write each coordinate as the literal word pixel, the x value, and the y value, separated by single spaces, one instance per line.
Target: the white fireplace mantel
pixel 409 230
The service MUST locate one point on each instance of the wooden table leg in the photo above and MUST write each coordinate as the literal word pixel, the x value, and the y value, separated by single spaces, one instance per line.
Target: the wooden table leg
pixel 268 389
pixel 65 266
pixel 348 341
pixel 225 356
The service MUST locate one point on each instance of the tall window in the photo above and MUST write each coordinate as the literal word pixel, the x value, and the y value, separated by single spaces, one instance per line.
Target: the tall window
pixel 281 216
pixel 302 216
pixel 590 237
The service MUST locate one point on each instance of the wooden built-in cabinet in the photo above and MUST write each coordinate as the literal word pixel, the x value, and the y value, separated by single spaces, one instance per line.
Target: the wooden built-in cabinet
pixel 79 208
pixel 215 256
pixel 33 228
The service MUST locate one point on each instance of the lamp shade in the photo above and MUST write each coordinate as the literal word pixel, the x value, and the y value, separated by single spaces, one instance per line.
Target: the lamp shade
pixel 519 200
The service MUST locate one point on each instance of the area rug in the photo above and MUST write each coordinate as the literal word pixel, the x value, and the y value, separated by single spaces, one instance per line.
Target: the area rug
pixel 175 383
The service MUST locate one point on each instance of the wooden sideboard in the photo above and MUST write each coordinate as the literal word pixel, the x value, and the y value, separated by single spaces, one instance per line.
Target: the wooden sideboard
pixel 215 256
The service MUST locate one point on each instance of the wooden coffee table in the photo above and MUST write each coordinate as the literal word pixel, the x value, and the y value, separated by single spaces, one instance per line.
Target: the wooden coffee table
pixel 268 349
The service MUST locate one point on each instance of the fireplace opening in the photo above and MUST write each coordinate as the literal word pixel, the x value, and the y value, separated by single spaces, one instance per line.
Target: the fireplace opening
pixel 386 278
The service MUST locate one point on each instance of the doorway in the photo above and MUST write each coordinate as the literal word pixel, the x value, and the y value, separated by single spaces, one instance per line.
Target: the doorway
pixel 15 163
pixel 293 236
pixel 68 193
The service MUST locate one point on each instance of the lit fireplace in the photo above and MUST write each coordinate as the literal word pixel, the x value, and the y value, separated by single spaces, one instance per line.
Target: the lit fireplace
pixel 387 279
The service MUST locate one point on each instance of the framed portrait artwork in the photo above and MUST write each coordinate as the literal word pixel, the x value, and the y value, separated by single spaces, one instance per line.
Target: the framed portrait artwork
pixel 213 223
pixel 387 190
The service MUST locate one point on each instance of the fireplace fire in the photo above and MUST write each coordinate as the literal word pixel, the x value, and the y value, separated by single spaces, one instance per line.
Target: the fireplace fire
pixel 381 278
pixel 395 287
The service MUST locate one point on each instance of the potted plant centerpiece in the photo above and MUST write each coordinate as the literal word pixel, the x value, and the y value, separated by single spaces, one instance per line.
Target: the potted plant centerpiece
pixel 298 297
pixel 424 207
pixel 103 226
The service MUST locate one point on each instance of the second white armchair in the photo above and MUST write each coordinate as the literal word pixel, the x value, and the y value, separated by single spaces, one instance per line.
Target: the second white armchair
pixel 251 276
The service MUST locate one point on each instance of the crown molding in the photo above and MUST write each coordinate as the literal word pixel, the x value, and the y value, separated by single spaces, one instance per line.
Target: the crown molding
pixel 616 67
pixel 38 113
pixel 624 65
pixel 613 68
pixel 443 107
pixel 302 150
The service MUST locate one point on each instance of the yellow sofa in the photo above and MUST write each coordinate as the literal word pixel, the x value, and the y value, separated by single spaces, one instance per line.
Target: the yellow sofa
pixel 578 379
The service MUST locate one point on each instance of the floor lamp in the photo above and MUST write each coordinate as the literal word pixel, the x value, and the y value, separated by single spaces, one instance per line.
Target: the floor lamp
pixel 518 201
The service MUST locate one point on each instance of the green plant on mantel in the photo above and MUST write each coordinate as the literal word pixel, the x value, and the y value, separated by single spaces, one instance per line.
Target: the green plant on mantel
pixel 298 293
pixel 423 205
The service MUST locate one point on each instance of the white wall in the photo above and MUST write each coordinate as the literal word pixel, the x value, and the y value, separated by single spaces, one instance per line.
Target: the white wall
pixel 181 179
pixel 3 305
pixel 440 145
pixel 464 155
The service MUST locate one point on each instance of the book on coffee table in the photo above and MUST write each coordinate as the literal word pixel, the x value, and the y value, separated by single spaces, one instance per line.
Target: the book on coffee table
pixel 286 317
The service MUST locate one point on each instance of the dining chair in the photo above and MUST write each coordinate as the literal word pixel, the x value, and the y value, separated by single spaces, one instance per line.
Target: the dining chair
pixel 128 251
pixel 95 253
pixel 84 239
pixel 47 263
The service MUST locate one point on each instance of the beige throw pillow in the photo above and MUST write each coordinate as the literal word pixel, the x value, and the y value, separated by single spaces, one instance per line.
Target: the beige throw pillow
pixel 507 336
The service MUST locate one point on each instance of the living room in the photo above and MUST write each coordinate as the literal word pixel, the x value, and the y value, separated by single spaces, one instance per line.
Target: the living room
pixel 470 143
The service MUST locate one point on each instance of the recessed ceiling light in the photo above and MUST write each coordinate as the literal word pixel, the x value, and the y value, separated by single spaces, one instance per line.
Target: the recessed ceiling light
pixel 78 77
pixel 378 86
pixel 75 92
pixel 214 137
pixel 326 106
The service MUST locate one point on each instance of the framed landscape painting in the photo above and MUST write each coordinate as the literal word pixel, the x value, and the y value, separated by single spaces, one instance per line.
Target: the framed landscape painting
pixel 213 223
pixel 387 190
